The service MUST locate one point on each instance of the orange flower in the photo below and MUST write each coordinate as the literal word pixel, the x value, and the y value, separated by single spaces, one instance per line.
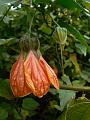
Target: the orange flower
pixel 49 72
pixel 36 78
pixel 17 78
pixel 39 74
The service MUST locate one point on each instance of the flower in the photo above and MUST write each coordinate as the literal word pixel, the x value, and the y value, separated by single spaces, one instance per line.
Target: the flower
pixel 39 75
pixel 49 72
pixel 36 78
pixel 17 78
pixel 32 75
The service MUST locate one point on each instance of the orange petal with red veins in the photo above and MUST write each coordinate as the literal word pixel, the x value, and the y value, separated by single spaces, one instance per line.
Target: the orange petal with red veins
pixel 50 73
pixel 17 78
pixel 35 76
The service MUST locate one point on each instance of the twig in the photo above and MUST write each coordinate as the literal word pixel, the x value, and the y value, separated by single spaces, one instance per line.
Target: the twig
pixel 75 88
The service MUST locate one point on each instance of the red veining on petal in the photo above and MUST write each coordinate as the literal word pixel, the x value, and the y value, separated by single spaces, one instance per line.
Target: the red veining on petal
pixel 35 76
pixel 50 73
pixel 17 78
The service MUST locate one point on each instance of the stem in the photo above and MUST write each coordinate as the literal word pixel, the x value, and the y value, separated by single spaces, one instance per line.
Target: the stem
pixel 75 88
pixel 62 59
pixel 5 13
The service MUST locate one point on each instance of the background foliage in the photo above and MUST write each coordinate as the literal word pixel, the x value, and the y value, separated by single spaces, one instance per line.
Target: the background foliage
pixel 16 19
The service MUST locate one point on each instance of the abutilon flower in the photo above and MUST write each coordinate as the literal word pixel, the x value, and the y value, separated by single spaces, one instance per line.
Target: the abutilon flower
pixel 33 75
pixel 36 78
pixel 17 78
pixel 39 75
pixel 49 72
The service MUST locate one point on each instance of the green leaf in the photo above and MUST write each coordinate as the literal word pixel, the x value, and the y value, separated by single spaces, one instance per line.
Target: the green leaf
pixel 30 104
pixel 2 2
pixel 7 41
pixel 79 111
pixel 42 1
pixel 5 90
pixel 3 8
pixel 81 49
pixel 3 114
pixel 72 4
pixel 66 79
pixel 73 58
pixel 45 29
pixel 65 97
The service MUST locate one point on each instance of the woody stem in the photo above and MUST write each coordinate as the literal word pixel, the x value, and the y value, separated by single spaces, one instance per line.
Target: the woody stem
pixel 75 88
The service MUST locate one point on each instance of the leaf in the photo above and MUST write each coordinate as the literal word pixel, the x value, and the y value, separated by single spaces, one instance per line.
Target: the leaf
pixel 42 1
pixel 81 48
pixel 65 97
pixel 30 104
pixel 2 2
pixel 3 114
pixel 45 29
pixel 66 79
pixel 73 59
pixel 3 8
pixel 72 4
pixel 79 111
pixel 5 90
pixel 7 41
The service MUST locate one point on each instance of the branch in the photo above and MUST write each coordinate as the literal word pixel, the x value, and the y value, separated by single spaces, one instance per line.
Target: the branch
pixel 75 88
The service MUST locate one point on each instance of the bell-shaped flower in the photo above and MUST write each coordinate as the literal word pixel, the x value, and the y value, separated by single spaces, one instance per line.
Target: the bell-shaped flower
pixel 17 78
pixel 49 72
pixel 39 74
pixel 36 78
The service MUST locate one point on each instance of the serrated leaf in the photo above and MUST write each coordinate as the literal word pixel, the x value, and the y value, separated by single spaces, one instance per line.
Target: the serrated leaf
pixel 30 104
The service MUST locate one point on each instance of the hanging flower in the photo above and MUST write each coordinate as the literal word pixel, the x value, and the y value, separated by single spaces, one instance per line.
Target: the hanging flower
pixel 17 78
pixel 39 75
pixel 49 72
pixel 36 78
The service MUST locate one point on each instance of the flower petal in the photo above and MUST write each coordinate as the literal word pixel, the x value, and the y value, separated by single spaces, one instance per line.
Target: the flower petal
pixel 17 78
pixel 35 76
pixel 50 73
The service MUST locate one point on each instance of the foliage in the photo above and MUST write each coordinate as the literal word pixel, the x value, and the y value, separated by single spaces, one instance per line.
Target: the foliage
pixel 71 60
